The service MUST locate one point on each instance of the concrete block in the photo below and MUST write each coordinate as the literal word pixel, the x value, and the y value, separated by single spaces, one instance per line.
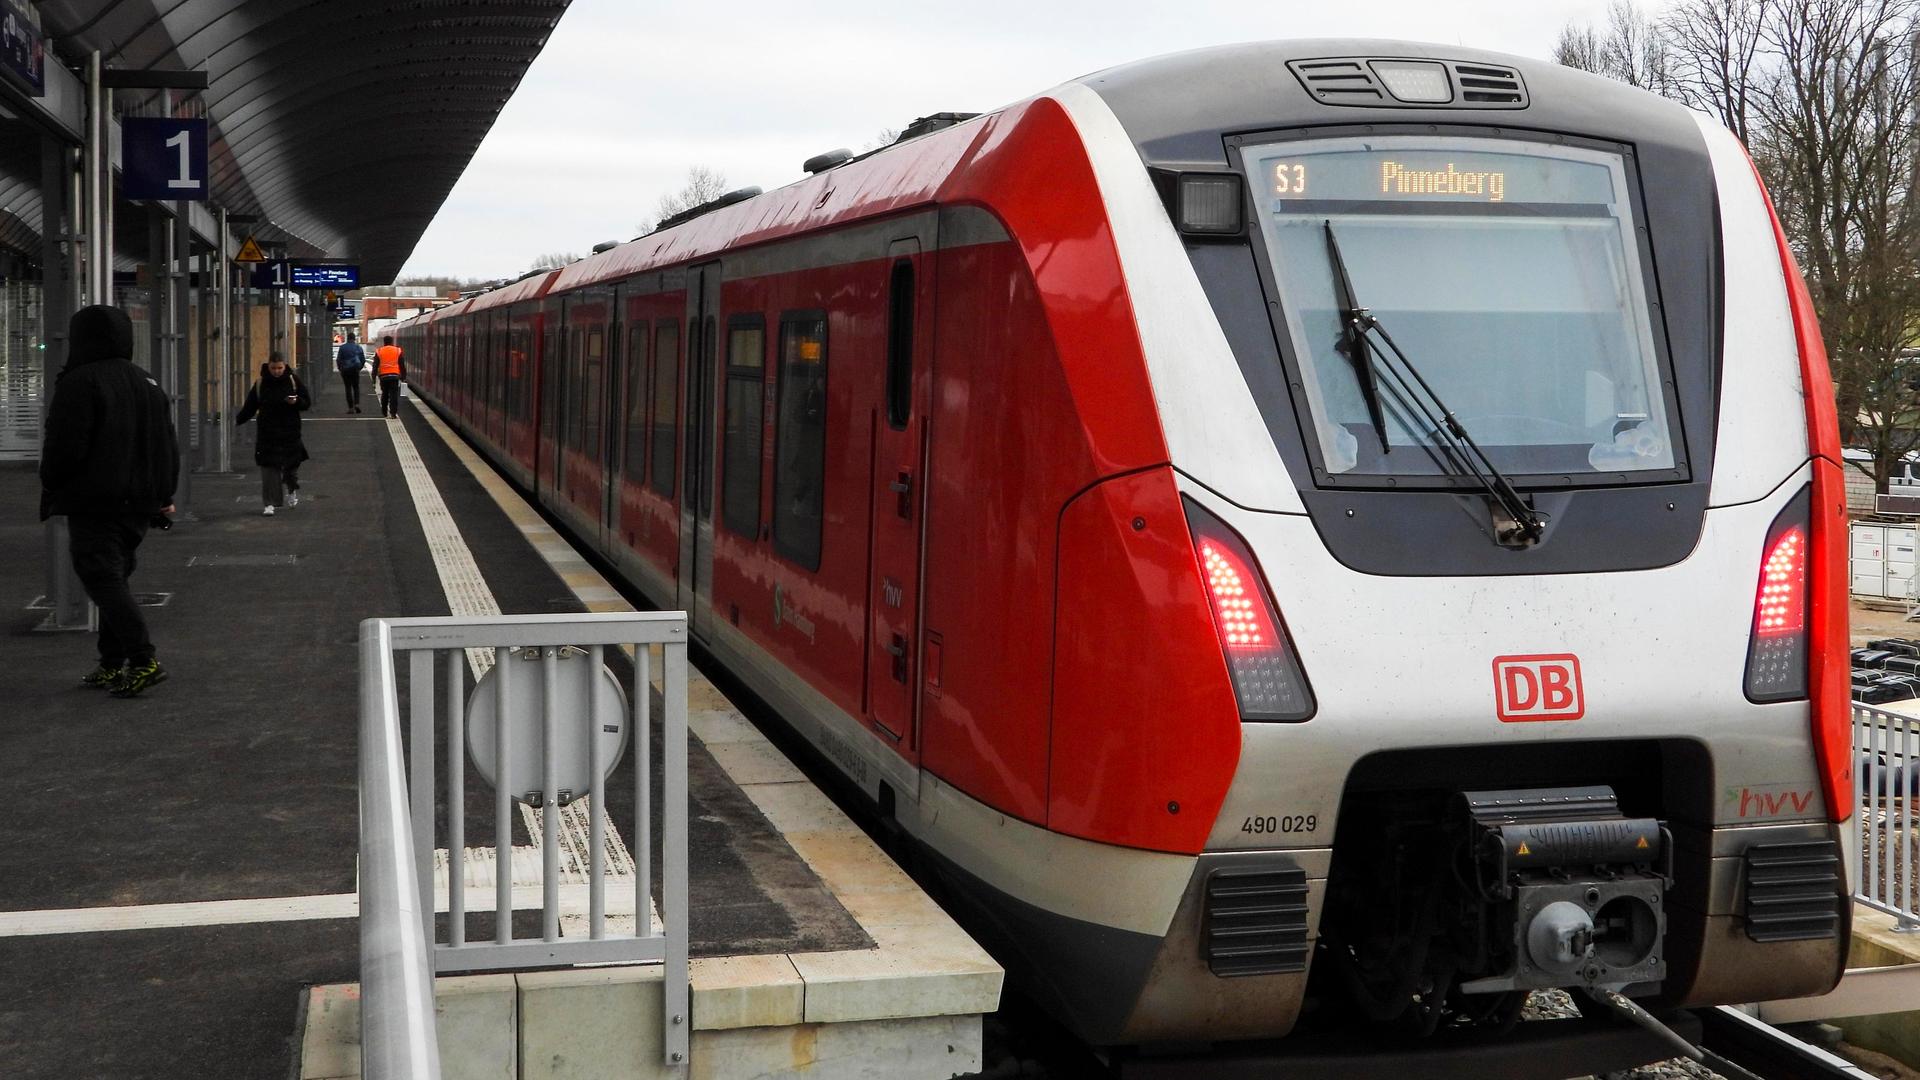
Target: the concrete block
pixel 849 862
pixel 719 725
pixel 922 1048
pixel 330 1044
pixel 592 1024
pixel 749 762
pixel 1875 943
pixel 474 1017
pixel 798 808
pixel 892 982
pixel 745 991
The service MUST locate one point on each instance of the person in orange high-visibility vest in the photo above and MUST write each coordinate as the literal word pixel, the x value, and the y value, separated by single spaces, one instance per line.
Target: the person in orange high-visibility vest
pixel 390 368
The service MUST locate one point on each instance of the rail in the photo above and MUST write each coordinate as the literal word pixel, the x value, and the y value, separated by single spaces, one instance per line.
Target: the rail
pixel 1885 745
pixel 540 730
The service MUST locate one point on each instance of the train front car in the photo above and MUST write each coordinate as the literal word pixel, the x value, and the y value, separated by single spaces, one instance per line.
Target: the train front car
pixel 1486 390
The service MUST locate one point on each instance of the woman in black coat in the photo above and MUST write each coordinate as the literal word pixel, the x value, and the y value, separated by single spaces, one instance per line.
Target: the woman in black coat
pixel 279 398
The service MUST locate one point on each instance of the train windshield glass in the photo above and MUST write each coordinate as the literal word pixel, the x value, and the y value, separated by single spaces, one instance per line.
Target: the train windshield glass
pixel 1507 270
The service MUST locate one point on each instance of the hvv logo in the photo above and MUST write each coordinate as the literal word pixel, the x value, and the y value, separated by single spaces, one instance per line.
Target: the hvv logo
pixel 1538 688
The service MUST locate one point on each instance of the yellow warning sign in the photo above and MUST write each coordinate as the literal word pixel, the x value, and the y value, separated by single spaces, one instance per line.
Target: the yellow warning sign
pixel 1642 845
pixel 250 252
pixel 1524 849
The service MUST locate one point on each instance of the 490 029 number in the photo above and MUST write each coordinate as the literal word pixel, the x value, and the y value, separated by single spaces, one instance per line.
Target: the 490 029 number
pixel 1283 823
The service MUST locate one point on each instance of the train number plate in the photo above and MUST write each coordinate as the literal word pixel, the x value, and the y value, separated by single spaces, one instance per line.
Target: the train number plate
pixel 1543 687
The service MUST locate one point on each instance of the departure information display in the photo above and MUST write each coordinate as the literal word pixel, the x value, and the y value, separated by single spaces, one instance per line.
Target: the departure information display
pixel 1413 174
pixel 323 276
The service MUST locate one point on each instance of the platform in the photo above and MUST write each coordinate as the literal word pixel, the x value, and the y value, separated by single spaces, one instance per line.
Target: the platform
pixel 182 873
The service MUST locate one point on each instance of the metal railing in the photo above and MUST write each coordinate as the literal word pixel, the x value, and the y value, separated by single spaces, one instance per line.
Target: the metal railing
pixel 1885 745
pixel 398 951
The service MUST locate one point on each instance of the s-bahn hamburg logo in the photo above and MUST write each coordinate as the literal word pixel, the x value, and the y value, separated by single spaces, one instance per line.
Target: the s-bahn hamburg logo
pixel 1545 687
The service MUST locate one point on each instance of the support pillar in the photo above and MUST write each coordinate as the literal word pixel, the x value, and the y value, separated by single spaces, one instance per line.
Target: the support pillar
pixel 59 299
pixel 178 313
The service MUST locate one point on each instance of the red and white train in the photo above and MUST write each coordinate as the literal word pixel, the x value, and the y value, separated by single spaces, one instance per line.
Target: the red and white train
pixel 1297 530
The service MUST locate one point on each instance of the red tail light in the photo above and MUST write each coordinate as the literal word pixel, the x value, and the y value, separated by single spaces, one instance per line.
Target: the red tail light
pixel 1777 653
pixel 1267 680
pixel 1826 588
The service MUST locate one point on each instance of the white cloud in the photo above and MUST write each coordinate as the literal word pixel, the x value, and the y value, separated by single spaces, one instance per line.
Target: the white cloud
pixel 626 96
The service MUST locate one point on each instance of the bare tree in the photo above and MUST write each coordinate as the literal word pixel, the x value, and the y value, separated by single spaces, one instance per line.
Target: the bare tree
pixel 703 186
pixel 1826 96
pixel 1838 149
pixel 553 260
pixel 884 137
pixel 1632 48
pixel 1713 51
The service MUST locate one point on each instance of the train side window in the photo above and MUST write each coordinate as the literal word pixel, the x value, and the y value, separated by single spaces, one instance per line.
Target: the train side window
pixel 592 382
pixel 635 464
pixel 800 438
pixel 900 345
pixel 666 394
pixel 746 391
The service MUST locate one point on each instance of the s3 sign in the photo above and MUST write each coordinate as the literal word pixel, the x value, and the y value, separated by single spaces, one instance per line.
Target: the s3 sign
pixel 1543 687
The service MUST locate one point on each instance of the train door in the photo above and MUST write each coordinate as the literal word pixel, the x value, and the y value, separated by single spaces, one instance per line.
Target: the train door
pixel 896 506
pixel 613 420
pixel 552 334
pixel 696 489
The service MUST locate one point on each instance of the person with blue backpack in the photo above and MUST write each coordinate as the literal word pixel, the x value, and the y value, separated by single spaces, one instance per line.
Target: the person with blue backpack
pixel 351 360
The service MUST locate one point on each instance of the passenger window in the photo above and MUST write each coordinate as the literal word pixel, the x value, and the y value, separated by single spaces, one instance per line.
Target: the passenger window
pixel 666 392
pixel 592 383
pixel 634 466
pixel 800 439
pixel 746 388
pixel 900 345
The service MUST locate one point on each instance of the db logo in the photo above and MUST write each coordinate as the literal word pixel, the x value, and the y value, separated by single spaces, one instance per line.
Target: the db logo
pixel 1538 688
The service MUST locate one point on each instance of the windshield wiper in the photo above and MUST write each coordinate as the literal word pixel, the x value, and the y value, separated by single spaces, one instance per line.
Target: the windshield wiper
pixel 1353 340
pixel 1464 455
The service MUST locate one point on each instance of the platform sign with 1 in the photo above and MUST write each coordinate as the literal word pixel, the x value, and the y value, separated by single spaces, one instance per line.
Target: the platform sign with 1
pixel 163 158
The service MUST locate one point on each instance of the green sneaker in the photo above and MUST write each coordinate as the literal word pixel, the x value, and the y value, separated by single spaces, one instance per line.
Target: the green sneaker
pixel 102 677
pixel 137 678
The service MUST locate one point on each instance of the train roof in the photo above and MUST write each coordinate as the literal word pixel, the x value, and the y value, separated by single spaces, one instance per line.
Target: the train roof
pixel 529 287
pixel 1249 87
pixel 1263 86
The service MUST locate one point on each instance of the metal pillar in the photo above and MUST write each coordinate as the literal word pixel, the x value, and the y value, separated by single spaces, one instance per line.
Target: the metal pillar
pixel 223 356
pixel 179 280
pixel 59 297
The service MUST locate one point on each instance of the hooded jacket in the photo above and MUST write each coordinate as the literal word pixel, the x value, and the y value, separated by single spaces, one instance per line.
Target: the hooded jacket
pixel 278 444
pixel 110 446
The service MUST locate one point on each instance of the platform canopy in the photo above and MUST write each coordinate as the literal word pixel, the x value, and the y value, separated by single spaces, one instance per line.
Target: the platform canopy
pixel 340 124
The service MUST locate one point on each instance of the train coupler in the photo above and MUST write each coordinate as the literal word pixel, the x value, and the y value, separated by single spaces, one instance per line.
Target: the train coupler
pixel 1573 891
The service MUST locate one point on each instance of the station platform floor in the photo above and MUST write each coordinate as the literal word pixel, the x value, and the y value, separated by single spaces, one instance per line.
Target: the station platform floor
pixel 179 869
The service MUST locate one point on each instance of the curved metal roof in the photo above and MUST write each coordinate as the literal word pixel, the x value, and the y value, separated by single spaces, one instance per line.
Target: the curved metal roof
pixel 341 124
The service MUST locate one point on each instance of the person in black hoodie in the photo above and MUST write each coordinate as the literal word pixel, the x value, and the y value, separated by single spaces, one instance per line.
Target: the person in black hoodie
pixel 279 397
pixel 110 463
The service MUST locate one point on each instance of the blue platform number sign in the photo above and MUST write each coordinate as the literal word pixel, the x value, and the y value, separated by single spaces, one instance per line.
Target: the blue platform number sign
pixel 163 158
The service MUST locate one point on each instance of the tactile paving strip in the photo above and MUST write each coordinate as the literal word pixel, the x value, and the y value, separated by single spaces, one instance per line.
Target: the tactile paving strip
pixel 468 595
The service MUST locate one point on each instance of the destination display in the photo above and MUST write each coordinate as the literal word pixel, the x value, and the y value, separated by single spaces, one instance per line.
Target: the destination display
pixel 323 276
pixel 1415 174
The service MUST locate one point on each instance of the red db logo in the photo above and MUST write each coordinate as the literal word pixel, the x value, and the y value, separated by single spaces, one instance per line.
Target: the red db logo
pixel 1538 688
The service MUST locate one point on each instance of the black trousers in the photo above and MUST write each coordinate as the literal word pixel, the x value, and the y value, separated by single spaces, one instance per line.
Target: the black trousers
pixel 352 379
pixel 275 481
pixel 390 395
pixel 102 546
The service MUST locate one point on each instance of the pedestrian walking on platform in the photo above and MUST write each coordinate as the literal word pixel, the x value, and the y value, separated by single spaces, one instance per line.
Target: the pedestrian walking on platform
pixel 351 360
pixel 109 463
pixel 391 369
pixel 279 398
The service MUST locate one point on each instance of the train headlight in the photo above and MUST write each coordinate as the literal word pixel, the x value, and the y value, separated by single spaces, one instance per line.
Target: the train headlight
pixel 1415 80
pixel 1777 652
pixel 1267 678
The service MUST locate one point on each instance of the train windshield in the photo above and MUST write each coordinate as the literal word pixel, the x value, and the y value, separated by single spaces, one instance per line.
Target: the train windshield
pixel 1510 273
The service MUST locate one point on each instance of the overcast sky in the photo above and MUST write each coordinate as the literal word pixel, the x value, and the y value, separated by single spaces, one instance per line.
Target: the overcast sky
pixel 628 94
